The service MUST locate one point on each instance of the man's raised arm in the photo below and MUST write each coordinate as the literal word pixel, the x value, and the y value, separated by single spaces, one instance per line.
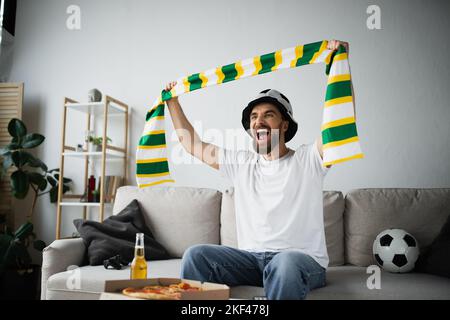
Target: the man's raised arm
pixel 189 139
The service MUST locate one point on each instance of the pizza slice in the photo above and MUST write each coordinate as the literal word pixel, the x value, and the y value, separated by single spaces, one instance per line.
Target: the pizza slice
pixel 171 292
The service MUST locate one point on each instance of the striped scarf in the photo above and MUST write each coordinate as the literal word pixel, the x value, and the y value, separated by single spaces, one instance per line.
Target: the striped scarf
pixel 339 135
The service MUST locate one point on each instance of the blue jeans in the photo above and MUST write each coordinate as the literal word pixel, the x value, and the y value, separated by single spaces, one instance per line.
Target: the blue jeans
pixel 287 275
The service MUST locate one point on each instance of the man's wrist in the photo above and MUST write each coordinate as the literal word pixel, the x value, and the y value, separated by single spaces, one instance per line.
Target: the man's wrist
pixel 173 103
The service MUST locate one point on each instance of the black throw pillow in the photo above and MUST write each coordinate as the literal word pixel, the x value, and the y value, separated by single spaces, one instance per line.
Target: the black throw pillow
pixel 436 259
pixel 117 235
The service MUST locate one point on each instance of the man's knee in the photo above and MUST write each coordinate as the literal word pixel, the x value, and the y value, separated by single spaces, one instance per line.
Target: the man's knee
pixel 199 256
pixel 198 251
pixel 281 265
pixel 288 266
pixel 196 262
pixel 285 276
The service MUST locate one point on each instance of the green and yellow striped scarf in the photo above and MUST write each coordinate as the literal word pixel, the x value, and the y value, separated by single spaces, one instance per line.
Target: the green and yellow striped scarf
pixel 339 135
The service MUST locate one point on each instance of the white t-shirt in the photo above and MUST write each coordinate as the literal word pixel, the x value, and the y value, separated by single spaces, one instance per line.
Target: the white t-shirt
pixel 279 203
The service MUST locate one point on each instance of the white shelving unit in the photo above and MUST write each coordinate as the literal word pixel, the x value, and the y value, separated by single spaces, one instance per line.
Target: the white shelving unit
pixel 96 108
pixel 108 107
pixel 94 154
pixel 82 204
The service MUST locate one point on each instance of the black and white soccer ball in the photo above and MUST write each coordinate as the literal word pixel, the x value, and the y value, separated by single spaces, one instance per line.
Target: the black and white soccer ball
pixel 396 250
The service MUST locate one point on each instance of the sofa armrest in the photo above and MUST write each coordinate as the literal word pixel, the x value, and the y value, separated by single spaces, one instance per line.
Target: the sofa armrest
pixel 59 255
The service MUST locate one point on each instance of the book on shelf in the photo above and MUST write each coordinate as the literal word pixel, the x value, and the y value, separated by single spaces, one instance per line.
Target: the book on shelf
pixel 112 183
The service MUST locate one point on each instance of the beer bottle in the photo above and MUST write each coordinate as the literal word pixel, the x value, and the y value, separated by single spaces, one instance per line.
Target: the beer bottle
pixel 139 265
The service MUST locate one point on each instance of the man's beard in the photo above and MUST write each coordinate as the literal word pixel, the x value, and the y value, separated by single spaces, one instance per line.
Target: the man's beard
pixel 272 145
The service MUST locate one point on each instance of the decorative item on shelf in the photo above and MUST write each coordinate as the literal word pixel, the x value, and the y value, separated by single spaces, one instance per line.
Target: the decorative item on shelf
pixel 87 144
pixel 91 188
pixel 84 197
pixel 112 183
pixel 96 195
pixel 95 143
pixel 94 95
pixel 99 188
pixel 79 148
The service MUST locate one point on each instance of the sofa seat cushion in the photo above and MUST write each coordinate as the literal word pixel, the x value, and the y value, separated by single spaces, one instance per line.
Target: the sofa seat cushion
pixel 88 282
pixel 350 283
pixel 343 283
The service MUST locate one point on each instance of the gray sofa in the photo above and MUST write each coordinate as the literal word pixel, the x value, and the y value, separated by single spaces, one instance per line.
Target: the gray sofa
pixel 181 217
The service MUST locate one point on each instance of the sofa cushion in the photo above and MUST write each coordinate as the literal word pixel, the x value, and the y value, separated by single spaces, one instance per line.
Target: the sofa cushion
pixel 178 216
pixel 333 208
pixel 350 283
pixel 343 282
pixel 421 212
pixel 88 282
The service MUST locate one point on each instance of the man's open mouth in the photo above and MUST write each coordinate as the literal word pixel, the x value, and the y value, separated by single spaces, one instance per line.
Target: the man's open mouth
pixel 262 135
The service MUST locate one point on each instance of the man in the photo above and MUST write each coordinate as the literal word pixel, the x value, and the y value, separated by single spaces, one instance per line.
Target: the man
pixel 278 203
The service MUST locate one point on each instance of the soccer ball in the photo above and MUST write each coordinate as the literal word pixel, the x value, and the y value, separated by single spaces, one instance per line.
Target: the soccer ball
pixel 395 250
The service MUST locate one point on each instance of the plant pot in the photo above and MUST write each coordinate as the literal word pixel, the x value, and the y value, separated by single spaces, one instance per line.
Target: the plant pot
pixel 91 147
pixel 98 147
pixel 20 284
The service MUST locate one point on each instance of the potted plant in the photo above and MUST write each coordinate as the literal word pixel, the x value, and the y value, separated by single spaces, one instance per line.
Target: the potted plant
pixel 97 142
pixel 16 268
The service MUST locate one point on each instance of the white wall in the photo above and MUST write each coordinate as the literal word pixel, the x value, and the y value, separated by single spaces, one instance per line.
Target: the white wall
pixel 130 49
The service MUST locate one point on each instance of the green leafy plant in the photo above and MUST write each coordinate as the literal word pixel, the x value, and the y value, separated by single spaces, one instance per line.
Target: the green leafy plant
pixel 98 140
pixel 30 174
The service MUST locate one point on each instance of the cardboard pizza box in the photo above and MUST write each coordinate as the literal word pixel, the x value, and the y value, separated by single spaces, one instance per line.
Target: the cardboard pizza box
pixel 210 291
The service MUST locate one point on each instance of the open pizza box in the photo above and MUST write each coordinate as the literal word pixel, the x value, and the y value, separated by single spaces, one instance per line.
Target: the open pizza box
pixel 209 291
